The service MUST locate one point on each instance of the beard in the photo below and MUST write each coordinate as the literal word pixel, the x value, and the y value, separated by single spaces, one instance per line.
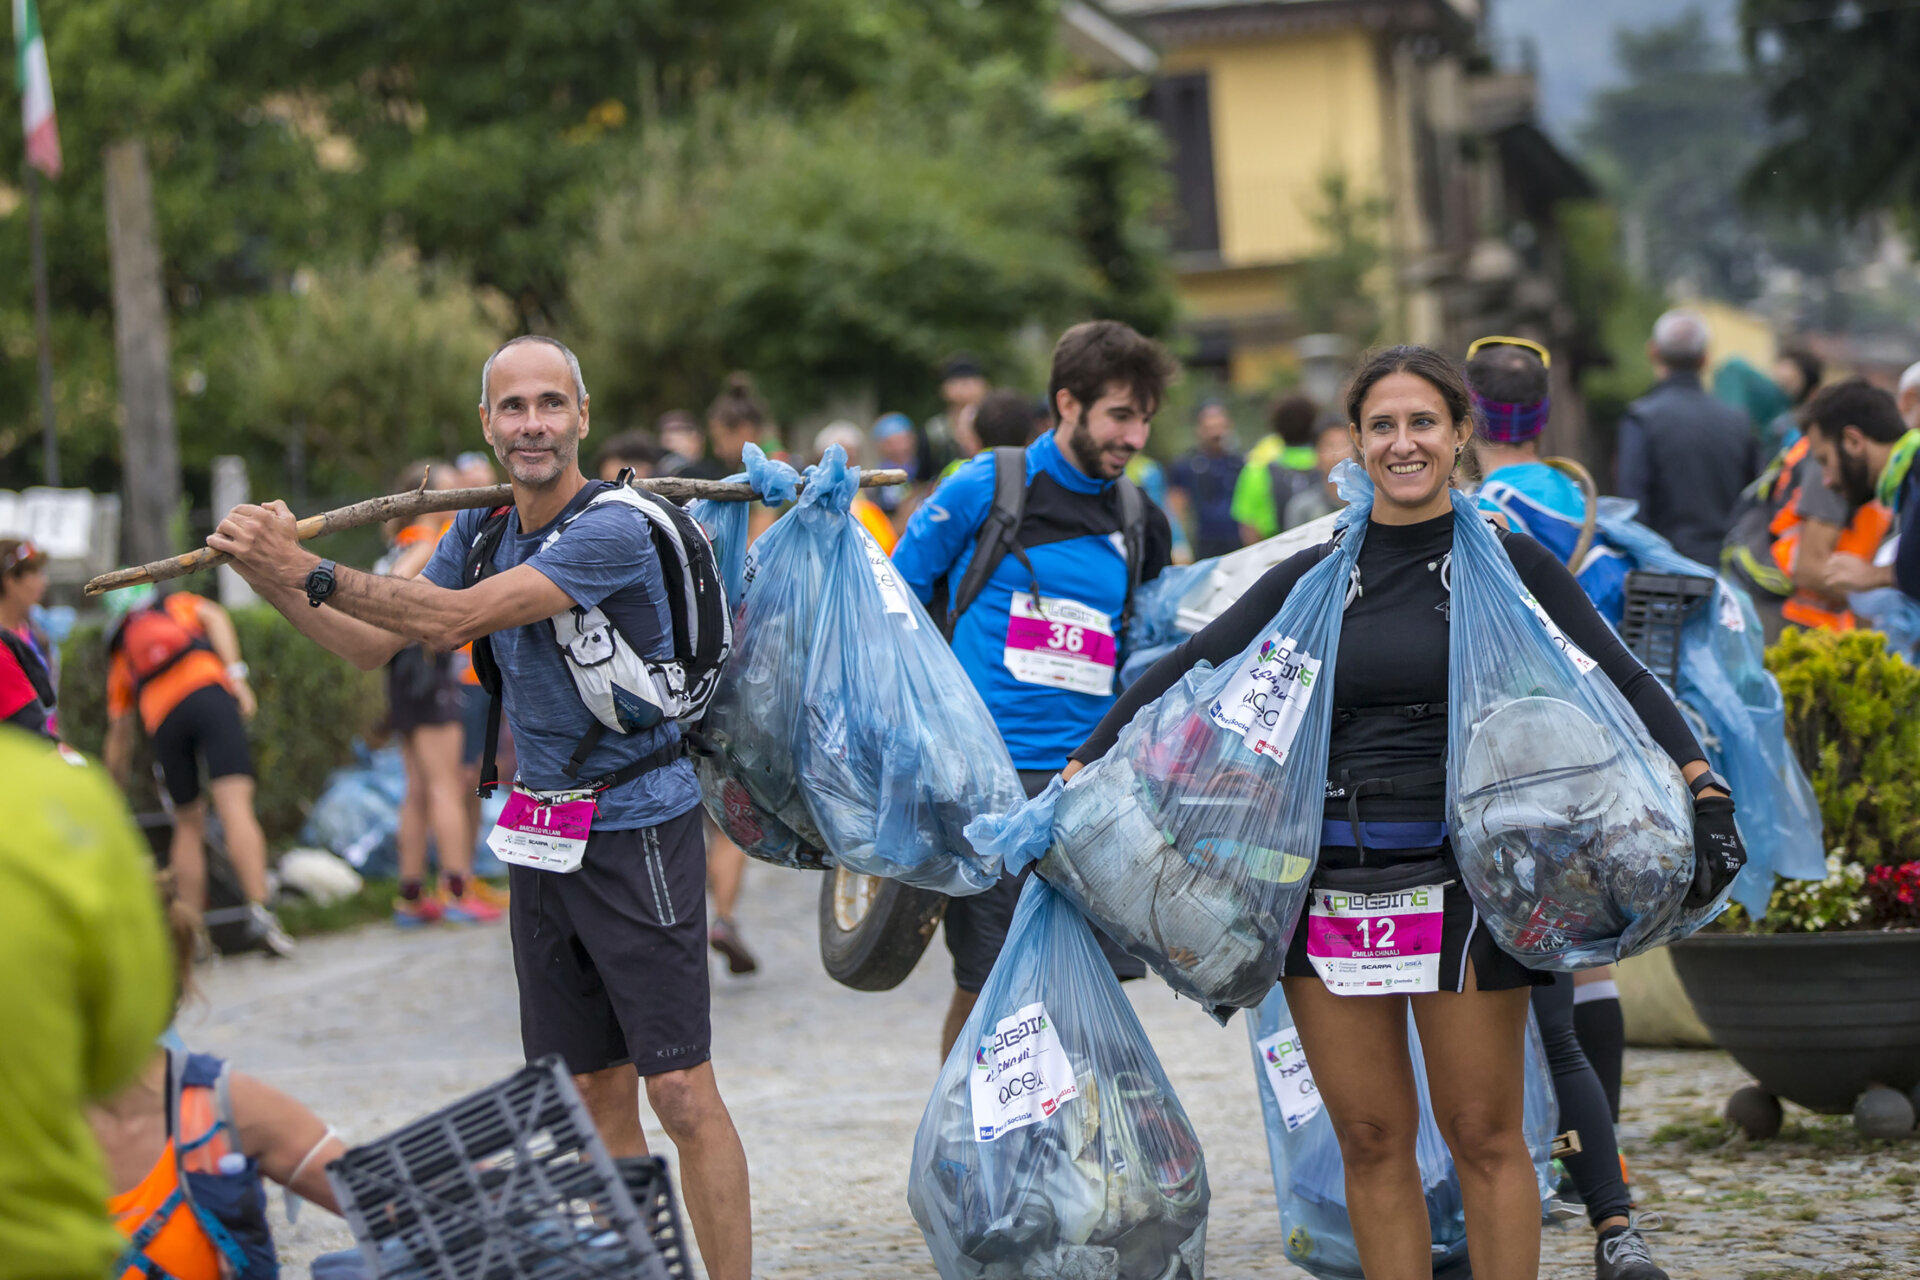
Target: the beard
pixel 1087 454
pixel 1856 482
pixel 565 450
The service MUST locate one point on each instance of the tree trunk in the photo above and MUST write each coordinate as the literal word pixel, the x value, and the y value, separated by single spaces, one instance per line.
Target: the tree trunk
pixel 150 450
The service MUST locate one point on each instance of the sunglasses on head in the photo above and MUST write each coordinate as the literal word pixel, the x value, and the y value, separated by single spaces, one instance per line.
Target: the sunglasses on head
pixel 18 556
pixel 1546 359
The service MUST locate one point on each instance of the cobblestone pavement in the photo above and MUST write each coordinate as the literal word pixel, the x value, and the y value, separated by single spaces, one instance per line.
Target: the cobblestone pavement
pixel 827 1085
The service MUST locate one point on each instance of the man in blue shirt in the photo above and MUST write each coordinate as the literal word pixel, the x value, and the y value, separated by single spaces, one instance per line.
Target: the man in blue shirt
pixel 1041 642
pixel 1202 482
pixel 610 958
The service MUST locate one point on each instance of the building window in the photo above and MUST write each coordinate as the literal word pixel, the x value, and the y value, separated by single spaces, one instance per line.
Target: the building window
pixel 1180 106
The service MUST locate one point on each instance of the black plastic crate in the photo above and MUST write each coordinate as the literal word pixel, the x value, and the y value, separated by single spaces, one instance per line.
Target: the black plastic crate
pixel 510 1183
pixel 651 1186
pixel 1658 605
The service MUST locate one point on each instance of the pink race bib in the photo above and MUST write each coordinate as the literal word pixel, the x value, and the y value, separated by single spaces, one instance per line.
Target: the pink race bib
pixel 1375 944
pixel 547 833
pixel 1060 643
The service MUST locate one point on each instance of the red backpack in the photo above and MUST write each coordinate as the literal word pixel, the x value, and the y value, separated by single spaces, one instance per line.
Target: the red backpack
pixel 153 642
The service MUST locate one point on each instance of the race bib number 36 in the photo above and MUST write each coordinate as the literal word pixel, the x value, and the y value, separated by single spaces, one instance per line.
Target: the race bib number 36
pixel 1267 701
pixel 1021 1075
pixel 1290 1078
pixel 1060 643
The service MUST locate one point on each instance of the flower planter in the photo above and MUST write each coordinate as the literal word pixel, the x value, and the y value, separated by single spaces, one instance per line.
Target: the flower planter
pixel 1816 1017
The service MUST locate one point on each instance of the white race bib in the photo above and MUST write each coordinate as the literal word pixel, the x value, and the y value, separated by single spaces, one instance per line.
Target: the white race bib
pixel 1377 944
pixel 1290 1078
pixel 1021 1075
pixel 1266 702
pixel 893 593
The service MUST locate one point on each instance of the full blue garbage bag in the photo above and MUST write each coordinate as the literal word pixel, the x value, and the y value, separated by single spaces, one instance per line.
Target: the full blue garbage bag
pixel 1573 830
pixel 1153 629
pixel 744 749
pixel 1053 1147
pixel 1894 614
pixel 1192 841
pixel 839 678
pixel 1724 680
pixel 1309 1178
pixel 357 815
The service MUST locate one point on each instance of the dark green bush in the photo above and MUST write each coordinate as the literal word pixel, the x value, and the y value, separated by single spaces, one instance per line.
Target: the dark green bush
pixel 312 706
pixel 1853 719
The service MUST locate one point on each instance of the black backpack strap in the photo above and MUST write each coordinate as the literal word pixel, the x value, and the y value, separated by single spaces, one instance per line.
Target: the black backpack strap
pixel 486 669
pixel 998 532
pixel 1133 537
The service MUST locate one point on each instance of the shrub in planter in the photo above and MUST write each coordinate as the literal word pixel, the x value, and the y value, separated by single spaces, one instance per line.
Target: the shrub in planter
pixel 1851 719
pixel 312 706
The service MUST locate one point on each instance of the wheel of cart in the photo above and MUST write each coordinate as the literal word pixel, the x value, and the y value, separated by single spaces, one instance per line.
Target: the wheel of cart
pixel 873 930
pixel 512 1181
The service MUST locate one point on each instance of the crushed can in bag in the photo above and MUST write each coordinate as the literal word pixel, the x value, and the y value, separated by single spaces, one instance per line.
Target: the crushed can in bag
pixel 1053 1147
pixel 1573 830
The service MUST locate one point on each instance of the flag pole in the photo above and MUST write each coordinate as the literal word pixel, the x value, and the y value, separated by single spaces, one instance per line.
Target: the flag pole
pixel 50 439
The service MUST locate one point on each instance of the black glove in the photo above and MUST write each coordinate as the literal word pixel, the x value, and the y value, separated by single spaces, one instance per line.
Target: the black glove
pixel 1718 854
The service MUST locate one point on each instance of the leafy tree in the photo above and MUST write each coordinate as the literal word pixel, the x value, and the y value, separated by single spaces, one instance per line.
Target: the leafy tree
pixel 1336 289
pixel 1839 88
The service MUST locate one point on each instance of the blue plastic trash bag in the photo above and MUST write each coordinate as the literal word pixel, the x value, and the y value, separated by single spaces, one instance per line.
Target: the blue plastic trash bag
pixel 357 815
pixel 744 749
pixel 841 683
pixel 726 522
pixel 1153 627
pixel 1053 1147
pixel 1573 830
pixel 1309 1177
pixel 1724 681
pixel 1192 841
pixel 1894 614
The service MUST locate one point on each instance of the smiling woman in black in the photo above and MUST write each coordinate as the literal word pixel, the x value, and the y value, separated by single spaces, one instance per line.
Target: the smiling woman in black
pixel 1383 829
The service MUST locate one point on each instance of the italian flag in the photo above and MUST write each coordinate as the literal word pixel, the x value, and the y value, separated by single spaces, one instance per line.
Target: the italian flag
pixel 36 90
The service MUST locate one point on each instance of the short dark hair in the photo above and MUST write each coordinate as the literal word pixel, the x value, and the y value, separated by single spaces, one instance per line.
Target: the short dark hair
pixel 629 446
pixel 1292 418
pixel 1004 419
pixel 1811 369
pixel 1855 403
pixel 1422 362
pixel 1508 375
pixel 1091 357
pixel 738 404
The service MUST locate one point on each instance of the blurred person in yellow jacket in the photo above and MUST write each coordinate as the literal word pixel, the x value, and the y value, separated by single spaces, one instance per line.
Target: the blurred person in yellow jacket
pixel 89 987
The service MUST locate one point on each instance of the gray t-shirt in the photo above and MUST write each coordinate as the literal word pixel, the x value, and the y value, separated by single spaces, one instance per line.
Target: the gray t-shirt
pixel 1815 500
pixel 604 559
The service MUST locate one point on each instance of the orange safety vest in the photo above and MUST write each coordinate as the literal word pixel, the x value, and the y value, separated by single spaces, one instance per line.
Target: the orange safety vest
pixel 1862 537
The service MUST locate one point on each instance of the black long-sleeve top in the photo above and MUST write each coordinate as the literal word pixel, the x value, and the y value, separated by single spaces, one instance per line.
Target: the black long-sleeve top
pixel 1393 654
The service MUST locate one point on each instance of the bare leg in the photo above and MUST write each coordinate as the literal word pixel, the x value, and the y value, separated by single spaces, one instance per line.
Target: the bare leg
pixel 713 1167
pixel 957 1014
pixel 726 863
pixel 1475 1046
pixel 187 855
pixel 411 837
pixel 613 1100
pixel 1357 1048
pixel 246 842
pixel 437 747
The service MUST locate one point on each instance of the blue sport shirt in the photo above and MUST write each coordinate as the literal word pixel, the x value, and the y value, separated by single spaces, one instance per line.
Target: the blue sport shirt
pixel 1546 506
pixel 604 559
pixel 1070 531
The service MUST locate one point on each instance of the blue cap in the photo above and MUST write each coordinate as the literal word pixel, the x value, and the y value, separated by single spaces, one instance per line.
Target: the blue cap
pixel 891 424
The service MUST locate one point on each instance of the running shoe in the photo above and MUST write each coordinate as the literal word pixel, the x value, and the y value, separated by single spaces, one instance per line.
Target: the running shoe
pixel 724 936
pixel 264 932
pixel 480 904
pixel 414 912
pixel 1622 1254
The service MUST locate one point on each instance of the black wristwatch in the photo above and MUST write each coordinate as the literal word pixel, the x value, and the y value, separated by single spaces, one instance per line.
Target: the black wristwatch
pixel 1708 779
pixel 320 583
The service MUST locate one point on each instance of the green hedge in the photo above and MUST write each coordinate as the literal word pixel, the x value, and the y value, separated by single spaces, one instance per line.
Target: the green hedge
pixel 312 706
pixel 1853 719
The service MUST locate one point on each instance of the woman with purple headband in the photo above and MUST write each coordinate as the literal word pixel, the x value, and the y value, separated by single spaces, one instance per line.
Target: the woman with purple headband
pixel 1508 379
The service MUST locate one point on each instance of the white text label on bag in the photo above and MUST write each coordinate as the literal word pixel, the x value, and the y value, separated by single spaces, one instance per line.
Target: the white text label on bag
pixel 1575 654
pixel 1290 1078
pixel 1730 616
pixel 1021 1074
pixel 1266 702
pixel 893 593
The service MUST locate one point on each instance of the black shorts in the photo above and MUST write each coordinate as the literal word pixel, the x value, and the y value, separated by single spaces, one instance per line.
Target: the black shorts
pixel 421 690
pixel 976 926
pixel 1463 935
pixel 611 959
pixel 206 724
